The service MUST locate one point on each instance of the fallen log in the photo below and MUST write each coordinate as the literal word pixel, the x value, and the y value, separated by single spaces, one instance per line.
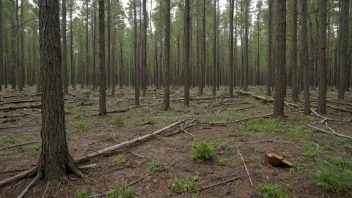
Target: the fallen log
pixel 31 172
pixel 16 145
pixel 328 132
pixel 19 102
pixel 21 107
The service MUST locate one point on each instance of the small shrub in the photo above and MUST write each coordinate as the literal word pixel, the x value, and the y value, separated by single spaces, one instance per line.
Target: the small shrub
pixel 272 191
pixel 203 151
pixel 121 159
pixel 334 176
pixel 183 185
pixel 120 192
pixel 81 126
pixel 223 161
pixel 154 165
pixel 83 193
pixel 118 122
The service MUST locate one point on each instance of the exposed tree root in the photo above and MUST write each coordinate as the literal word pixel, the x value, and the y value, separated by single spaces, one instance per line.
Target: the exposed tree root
pixel 29 186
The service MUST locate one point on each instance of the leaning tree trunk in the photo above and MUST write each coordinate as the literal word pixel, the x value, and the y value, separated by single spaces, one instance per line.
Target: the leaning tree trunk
pixel 280 66
pixel 322 59
pixel 55 160
pixel 102 94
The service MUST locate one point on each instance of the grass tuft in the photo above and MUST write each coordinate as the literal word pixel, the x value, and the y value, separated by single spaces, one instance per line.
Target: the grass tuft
pixel 203 151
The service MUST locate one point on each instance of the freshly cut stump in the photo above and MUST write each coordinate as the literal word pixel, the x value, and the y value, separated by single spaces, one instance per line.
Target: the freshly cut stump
pixel 273 159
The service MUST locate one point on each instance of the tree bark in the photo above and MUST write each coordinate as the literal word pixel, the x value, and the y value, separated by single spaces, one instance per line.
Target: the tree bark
pixel 294 83
pixel 87 46
pixel 55 160
pixel 230 80
pixel 136 65
pixel 187 75
pixel 1 47
pixel 214 52
pixel 343 40
pixel 64 48
pixel 109 66
pixel 304 55
pixel 322 59
pixel 280 65
pixel 94 76
pixel 144 48
pixel 246 51
pixel 102 94
pixel 166 103
pixel 269 67
pixel 73 71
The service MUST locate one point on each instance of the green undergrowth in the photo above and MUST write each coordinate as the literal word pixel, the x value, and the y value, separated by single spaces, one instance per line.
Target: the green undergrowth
pixel 272 191
pixel 120 192
pixel 203 151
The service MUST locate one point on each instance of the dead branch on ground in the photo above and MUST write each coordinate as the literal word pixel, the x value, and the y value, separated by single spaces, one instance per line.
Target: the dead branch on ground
pixel 16 145
pixel 328 132
pixel 21 107
pixel 245 166
pixel 216 184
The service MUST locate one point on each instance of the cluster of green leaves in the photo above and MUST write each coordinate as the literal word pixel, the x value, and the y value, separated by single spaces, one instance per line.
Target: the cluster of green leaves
pixel 334 175
pixel 154 165
pixel 81 126
pixel 182 185
pixel 203 151
pixel 120 192
pixel 272 191
pixel 118 122
pixel 83 194
pixel 121 159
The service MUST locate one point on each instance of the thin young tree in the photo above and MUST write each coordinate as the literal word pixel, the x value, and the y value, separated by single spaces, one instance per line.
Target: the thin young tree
pixel 231 48
pixel 259 7
pixel 246 50
pixel 294 82
pixel 108 67
pixel 343 41
pixel 102 93
pixel 280 63
pixel 187 73
pixel 322 58
pixel 64 48
pixel 55 160
pixel 166 103
pixel 136 65
pixel 304 54
pixel 214 51
pixel 144 48
pixel 94 77
pixel 270 43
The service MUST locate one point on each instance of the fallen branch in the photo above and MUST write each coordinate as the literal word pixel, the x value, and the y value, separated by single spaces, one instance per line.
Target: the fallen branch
pixel 125 144
pixel 339 109
pixel 31 172
pixel 19 101
pixel 217 184
pixel 244 163
pixel 16 145
pixel 21 107
pixel 14 127
pixel 328 132
pixel 15 116
pixel 130 184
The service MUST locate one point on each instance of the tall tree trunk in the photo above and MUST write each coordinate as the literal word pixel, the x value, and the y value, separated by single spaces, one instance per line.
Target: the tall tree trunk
pixel 1 48
pixel 122 70
pixel 257 78
pixel 102 94
pixel 214 52
pixel 94 76
pixel 21 37
pixel 322 59
pixel 246 50
pixel 294 83
pixel 55 161
pixel 87 46
pixel 280 65
pixel 187 73
pixel 73 71
pixel 114 61
pixel 343 48
pixel 144 48
pixel 18 48
pixel 109 66
pixel 202 78
pixel 14 64
pixel 270 42
pixel 34 50
pixel 64 48
pixel 166 104
pixel 304 55
pixel 230 80
pixel 136 64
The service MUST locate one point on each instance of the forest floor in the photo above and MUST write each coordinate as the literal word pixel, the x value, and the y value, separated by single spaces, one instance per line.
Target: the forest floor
pixel 169 155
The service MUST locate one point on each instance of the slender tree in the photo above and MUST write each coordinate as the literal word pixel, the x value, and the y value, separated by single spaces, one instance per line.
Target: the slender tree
pixel 87 45
pixel 94 76
pixel 270 42
pixel 73 79
pixel 304 55
pixel 294 83
pixel 246 50
pixel 322 58
pixel 102 94
pixel 343 41
pixel 136 65
pixel 230 81
pixel 144 48
pixel 64 48
pixel 259 7
pixel 1 48
pixel 280 63
pixel 187 75
pixel 214 52
pixel 55 160
pixel 166 104
pixel 109 66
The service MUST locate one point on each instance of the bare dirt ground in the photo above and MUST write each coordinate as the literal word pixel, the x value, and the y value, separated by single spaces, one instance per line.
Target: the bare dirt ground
pixel 87 133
